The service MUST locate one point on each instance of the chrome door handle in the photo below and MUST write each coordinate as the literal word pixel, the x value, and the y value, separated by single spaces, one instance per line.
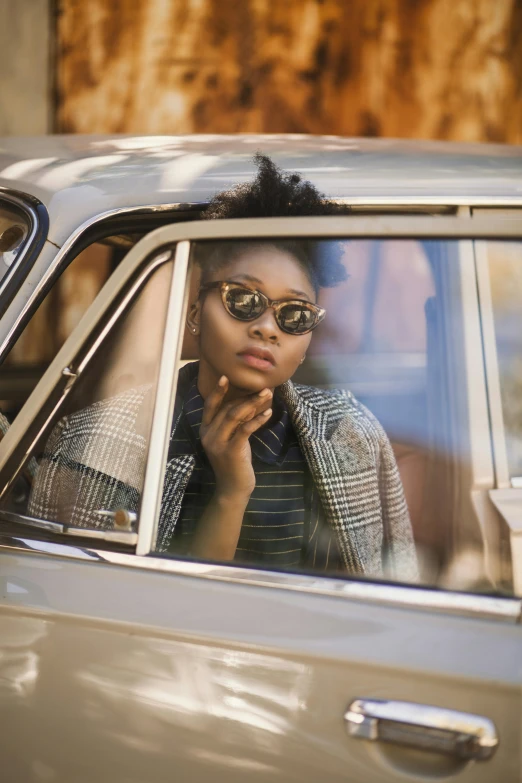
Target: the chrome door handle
pixel 422 726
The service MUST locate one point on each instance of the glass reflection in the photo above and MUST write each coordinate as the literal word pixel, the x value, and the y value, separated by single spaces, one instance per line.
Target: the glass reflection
pixel 248 702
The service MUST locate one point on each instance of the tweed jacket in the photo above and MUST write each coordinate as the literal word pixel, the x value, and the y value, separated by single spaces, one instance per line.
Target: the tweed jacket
pixel 95 461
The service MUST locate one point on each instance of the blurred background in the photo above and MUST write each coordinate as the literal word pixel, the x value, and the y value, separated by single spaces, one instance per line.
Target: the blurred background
pixel 430 69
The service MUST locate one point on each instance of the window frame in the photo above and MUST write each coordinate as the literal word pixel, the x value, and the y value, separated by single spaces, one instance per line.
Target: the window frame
pixel 503 477
pixel 38 217
pixel 498 435
pixel 181 235
pixel 504 609
pixel 67 367
pixel 96 228
pixel 506 494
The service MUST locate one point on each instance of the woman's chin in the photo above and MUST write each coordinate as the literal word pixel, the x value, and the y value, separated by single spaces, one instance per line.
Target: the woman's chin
pixel 249 381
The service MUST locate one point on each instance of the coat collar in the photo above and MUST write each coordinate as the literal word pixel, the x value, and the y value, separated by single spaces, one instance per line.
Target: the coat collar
pixel 316 410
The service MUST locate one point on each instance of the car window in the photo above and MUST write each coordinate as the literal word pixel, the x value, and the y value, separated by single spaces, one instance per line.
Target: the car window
pixel 366 463
pixel 504 261
pixel 89 459
pixel 83 272
pixel 382 383
pixel 55 318
pixel 15 227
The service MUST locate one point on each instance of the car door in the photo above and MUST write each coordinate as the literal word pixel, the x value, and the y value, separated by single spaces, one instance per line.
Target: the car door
pixel 119 662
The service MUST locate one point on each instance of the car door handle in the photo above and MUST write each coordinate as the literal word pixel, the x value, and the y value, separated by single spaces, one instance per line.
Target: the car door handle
pixel 422 726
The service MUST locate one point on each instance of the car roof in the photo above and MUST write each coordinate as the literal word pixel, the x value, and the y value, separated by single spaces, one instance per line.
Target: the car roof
pixel 77 177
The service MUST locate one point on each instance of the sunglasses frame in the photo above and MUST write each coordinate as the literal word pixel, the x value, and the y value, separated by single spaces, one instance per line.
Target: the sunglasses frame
pixel 276 304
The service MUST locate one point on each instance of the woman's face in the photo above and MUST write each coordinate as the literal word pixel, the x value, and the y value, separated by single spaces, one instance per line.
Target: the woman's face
pixel 252 354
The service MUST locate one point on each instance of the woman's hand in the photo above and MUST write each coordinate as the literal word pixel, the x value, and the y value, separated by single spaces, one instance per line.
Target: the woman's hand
pixel 225 430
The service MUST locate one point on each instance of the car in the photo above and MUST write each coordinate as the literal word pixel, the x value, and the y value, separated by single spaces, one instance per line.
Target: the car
pixel 123 658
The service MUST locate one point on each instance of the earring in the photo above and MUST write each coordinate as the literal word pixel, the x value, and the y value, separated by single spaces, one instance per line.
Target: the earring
pixel 194 329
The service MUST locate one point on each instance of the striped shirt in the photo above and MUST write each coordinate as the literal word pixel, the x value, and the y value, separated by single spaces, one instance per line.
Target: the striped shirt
pixel 283 522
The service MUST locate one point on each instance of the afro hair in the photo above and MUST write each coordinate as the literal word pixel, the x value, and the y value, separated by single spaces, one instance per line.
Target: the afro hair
pixel 274 193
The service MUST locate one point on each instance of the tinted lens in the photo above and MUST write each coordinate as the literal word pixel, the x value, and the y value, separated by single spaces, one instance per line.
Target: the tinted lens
pixel 296 319
pixel 244 304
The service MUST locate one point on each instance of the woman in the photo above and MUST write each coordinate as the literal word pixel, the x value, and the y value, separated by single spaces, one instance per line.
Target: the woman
pixel 265 471
pixel 261 470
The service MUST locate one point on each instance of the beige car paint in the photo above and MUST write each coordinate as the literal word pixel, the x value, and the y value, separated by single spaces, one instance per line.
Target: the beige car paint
pixel 197 679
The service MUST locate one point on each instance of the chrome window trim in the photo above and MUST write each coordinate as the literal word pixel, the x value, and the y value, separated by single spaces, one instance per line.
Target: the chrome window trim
pixel 460 229
pixel 498 434
pixel 30 211
pixel 164 402
pixel 484 607
pixel 482 468
pixel 471 419
pixel 53 269
pixel 128 537
pixel 435 201
pixel 340 227
pixel 506 496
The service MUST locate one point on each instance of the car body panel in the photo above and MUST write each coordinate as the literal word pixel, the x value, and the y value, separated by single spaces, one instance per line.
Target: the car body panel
pixel 79 177
pixel 197 678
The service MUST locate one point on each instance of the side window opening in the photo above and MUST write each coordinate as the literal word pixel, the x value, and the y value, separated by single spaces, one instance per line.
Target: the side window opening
pixel 86 471
pixel 68 299
pixel 54 320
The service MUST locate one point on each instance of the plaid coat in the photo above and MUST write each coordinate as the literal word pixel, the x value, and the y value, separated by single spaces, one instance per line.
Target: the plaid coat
pixel 95 460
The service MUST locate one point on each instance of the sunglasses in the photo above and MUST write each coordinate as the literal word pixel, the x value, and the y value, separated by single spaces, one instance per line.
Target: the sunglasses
pixel 293 316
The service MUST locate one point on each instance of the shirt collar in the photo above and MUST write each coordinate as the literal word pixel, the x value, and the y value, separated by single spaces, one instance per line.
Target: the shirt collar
pixel 269 444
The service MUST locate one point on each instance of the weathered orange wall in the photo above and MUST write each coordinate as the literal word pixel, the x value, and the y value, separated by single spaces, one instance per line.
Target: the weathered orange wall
pixel 439 69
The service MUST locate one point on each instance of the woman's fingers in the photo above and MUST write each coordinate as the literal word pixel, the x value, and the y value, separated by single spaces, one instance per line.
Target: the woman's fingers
pixel 234 414
pixel 249 427
pixel 214 401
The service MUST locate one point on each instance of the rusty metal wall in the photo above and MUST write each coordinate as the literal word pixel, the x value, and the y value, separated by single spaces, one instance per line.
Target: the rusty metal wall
pixel 437 69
